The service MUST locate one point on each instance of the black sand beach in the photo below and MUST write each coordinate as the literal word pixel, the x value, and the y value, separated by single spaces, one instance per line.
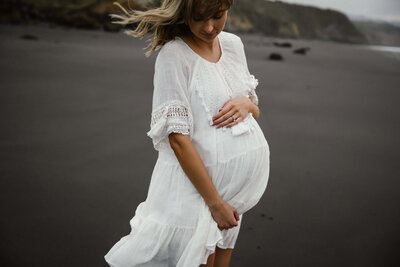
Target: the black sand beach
pixel 76 161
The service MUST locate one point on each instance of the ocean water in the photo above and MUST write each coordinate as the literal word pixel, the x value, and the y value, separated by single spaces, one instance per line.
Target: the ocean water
pixel 392 49
pixel 389 51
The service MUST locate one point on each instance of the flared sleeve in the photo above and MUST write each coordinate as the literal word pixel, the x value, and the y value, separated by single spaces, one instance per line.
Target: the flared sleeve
pixel 171 111
pixel 249 78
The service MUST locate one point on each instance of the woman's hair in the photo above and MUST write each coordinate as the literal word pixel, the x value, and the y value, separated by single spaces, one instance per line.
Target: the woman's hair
pixel 168 20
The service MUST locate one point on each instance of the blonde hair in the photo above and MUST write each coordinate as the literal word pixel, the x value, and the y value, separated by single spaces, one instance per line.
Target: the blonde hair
pixel 168 20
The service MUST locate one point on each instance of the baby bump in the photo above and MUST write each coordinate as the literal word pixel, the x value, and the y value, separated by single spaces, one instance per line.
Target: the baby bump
pixel 231 142
pixel 242 172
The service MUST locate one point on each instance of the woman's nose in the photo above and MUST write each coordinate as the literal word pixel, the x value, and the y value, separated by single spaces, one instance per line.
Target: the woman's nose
pixel 209 27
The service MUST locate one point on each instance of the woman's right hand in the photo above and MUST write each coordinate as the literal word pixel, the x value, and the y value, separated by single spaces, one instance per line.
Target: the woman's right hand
pixel 224 215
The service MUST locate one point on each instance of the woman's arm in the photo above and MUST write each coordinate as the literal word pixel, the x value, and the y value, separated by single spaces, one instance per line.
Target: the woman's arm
pixel 225 215
pixel 254 110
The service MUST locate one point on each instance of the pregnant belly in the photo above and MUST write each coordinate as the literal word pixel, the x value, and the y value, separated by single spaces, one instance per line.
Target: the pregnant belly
pixel 229 144
pixel 242 170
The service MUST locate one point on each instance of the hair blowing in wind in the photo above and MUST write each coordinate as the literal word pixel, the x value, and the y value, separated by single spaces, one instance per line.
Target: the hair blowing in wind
pixel 166 21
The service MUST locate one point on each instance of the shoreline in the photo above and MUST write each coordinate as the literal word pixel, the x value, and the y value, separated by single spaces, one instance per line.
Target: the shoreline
pixel 76 160
pixel 259 35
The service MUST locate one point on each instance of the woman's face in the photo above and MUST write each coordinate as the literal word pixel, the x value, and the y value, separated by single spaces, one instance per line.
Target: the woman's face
pixel 207 30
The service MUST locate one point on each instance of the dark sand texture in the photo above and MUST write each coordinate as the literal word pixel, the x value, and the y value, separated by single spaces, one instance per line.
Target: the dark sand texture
pixel 75 160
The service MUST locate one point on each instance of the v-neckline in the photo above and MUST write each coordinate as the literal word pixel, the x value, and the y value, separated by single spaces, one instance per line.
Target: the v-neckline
pixel 206 60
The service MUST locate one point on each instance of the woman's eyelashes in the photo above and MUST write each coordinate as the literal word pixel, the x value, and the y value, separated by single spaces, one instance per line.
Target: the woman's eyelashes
pixel 216 17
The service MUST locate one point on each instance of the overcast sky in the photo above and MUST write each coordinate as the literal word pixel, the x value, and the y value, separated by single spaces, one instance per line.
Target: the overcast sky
pixel 378 9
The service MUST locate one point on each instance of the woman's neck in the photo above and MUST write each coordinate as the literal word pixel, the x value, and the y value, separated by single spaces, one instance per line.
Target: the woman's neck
pixel 212 47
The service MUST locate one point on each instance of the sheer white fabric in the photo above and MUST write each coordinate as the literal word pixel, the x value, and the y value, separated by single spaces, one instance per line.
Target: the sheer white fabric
pixel 173 226
pixel 171 104
pixel 250 80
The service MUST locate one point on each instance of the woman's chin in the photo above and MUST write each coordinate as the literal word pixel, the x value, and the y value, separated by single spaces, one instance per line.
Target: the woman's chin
pixel 208 39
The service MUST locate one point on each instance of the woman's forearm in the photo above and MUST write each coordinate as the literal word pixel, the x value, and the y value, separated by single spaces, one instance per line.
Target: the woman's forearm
pixel 194 168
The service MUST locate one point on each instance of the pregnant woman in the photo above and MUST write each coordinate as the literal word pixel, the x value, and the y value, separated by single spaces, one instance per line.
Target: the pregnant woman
pixel 213 158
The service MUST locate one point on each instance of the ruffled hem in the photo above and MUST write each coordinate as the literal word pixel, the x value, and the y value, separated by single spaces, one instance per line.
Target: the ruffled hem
pixel 196 252
pixel 147 243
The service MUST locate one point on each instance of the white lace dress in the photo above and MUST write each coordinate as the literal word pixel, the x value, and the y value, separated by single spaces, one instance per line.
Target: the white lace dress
pixel 173 226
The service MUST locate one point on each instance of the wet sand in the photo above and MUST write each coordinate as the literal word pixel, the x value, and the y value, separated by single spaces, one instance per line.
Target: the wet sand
pixel 76 160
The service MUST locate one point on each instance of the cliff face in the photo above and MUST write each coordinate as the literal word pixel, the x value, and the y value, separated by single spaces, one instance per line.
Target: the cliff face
pixel 270 18
pixel 86 14
pixel 379 33
pixel 293 21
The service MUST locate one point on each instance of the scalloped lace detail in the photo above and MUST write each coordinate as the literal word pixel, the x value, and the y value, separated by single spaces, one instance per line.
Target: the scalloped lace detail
pixel 252 93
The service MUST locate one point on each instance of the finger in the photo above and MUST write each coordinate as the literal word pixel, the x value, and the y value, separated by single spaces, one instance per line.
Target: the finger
pixel 237 217
pixel 224 115
pixel 223 227
pixel 234 110
pixel 226 103
pixel 239 119
pixel 218 115
pixel 224 119
pixel 226 122
pixel 234 223
pixel 222 110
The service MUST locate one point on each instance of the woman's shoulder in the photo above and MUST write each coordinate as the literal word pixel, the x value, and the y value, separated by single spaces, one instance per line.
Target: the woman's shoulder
pixel 172 47
pixel 231 41
pixel 171 58
pixel 172 51
pixel 233 46
pixel 229 36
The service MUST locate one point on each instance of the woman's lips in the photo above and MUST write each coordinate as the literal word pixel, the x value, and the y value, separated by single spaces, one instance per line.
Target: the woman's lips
pixel 208 36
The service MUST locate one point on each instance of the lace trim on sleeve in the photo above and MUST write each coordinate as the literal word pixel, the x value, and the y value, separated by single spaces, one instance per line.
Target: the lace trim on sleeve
pixel 167 118
pixel 252 90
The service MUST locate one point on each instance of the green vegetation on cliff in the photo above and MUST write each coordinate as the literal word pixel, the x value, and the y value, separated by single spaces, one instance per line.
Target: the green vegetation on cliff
pixel 270 18
pixel 379 33
pixel 293 21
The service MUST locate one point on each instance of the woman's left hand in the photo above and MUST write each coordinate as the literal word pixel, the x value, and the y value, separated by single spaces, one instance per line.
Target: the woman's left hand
pixel 238 108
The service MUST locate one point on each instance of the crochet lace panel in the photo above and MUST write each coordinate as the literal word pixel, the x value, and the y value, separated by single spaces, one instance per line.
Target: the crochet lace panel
pixel 175 117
